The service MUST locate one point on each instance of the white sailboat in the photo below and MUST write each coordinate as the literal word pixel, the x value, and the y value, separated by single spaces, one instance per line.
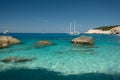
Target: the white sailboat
pixel 74 32
pixel 6 31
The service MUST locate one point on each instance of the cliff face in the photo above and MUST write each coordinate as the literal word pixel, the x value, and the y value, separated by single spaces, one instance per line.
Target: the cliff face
pixel 97 31
pixel 115 30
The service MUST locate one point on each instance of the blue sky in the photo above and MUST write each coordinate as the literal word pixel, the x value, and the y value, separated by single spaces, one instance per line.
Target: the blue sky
pixel 56 15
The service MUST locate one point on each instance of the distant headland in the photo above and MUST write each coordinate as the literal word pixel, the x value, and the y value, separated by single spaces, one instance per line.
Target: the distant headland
pixel 105 30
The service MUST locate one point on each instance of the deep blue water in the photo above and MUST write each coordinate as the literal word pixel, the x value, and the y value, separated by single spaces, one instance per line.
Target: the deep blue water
pixel 64 60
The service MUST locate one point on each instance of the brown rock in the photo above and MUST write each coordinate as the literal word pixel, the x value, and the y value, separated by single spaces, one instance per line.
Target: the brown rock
pixel 84 40
pixel 3 45
pixel 14 41
pixel 16 60
pixel 44 43
pixel 5 41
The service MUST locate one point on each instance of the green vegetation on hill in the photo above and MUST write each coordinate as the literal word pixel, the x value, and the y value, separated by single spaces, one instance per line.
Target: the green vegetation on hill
pixel 105 28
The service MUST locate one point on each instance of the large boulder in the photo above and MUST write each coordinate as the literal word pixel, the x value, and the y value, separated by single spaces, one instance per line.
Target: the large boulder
pixel 9 40
pixel 44 43
pixel 3 45
pixel 14 41
pixel 84 40
pixel 115 30
pixel 5 41
pixel 15 60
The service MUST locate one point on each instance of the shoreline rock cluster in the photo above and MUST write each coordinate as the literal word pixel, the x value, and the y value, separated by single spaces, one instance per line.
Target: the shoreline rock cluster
pixel 115 30
pixel 6 41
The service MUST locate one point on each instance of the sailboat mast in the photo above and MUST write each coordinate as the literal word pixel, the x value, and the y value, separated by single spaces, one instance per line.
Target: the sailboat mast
pixel 70 27
pixel 74 25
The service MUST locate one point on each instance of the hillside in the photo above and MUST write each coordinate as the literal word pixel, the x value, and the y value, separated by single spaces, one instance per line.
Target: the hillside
pixel 105 28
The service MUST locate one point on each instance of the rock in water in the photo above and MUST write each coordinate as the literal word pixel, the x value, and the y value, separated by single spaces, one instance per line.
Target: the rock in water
pixel 44 43
pixel 14 41
pixel 16 60
pixel 5 41
pixel 9 40
pixel 3 45
pixel 84 40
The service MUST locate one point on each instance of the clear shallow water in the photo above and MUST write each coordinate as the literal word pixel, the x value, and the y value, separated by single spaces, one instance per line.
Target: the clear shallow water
pixel 65 57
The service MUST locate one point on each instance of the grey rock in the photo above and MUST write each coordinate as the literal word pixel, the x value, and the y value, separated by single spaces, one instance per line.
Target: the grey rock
pixel 84 40
pixel 16 60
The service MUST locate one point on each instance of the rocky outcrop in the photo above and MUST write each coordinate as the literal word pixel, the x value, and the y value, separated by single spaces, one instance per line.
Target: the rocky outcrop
pixel 14 41
pixel 84 40
pixel 16 60
pixel 3 45
pixel 5 41
pixel 115 30
pixel 43 43
pixel 97 31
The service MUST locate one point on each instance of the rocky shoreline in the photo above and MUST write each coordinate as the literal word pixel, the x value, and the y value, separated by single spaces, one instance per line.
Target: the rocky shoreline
pixel 115 30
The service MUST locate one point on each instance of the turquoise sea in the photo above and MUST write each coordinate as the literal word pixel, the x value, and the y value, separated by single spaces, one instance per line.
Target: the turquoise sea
pixel 64 60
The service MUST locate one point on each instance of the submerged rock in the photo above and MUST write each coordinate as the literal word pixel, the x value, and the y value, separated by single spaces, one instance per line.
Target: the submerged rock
pixel 44 43
pixel 5 41
pixel 84 40
pixel 16 60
